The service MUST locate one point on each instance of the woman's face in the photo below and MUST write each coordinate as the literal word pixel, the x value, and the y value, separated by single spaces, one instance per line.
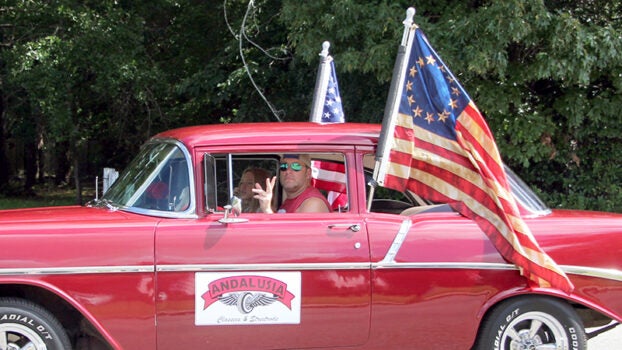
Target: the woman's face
pixel 247 183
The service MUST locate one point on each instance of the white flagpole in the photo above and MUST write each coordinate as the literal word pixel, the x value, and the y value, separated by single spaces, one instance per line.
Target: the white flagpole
pixel 393 100
pixel 392 106
pixel 321 84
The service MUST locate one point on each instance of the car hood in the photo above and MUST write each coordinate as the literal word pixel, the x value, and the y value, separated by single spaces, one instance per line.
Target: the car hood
pixel 65 238
pixel 68 215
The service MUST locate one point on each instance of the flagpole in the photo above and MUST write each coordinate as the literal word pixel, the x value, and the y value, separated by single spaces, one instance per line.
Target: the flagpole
pixel 390 110
pixel 321 84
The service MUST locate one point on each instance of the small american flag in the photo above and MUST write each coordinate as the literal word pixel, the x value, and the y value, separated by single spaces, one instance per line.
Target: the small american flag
pixel 333 110
pixel 329 176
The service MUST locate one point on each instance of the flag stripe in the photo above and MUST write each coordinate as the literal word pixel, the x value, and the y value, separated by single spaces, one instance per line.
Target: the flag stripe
pixel 470 126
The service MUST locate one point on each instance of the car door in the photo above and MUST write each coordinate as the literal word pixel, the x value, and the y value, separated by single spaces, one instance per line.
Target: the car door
pixel 273 281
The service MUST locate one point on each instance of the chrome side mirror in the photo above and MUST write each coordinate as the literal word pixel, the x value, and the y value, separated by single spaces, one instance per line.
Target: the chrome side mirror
pixel 234 208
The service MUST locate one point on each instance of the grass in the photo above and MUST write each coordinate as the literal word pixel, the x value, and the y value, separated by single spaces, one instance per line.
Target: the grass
pixel 43 195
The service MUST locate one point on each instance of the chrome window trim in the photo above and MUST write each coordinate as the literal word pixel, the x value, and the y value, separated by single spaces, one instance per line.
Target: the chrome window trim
pixel 162 213
pixel 189 213
pixel 525 195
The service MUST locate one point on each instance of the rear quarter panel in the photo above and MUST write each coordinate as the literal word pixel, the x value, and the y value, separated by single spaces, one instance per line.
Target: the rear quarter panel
pixel 588 247
pixel 447 273
pixel 436 289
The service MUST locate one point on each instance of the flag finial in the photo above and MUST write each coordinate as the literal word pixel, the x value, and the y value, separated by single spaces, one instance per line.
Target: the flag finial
pixel 410 14
pixel 325 47
pixel 408 22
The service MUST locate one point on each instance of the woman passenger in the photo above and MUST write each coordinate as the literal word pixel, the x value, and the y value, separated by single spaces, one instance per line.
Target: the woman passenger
pixel 249 178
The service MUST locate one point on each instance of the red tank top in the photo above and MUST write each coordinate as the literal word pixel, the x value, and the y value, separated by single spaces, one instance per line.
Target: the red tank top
pixel 290 205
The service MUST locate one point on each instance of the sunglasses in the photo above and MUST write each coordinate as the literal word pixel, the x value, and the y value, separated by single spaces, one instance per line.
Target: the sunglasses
pixel 295 166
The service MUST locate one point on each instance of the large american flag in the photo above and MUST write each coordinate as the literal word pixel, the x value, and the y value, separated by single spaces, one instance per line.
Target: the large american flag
pixel 442 149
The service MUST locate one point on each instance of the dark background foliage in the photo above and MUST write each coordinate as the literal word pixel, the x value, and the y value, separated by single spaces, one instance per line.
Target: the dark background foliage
pixel 84 83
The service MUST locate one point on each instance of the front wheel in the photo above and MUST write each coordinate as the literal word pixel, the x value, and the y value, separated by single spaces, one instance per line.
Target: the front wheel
pixel 532 323
pixel 26 325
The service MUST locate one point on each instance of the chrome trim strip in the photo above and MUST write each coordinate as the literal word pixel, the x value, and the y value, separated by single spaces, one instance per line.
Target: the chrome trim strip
pixel 444 265
pixel 399 239
pixel 77 270
pixel 261 267
pixel 611 274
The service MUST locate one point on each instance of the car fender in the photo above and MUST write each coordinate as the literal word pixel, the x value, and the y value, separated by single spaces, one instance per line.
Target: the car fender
pixel 51 288
pixel 552 292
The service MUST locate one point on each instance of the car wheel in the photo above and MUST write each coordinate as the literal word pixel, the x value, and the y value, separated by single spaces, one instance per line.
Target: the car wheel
pixel 532 323
pixel 25 325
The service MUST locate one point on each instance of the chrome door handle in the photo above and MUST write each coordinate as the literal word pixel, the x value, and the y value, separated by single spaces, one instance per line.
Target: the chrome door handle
pixel 351 227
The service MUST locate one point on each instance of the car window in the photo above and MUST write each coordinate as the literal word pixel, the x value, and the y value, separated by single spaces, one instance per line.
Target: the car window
pixel 223 172
pixel 223 175
pixel 156 180
pixel 386 200
pixel 329 176
pixel 390 201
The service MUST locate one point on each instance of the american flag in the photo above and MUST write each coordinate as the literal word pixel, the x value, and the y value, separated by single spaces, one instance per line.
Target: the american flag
pixel 329 176
pixel 442 149
pixel 333 110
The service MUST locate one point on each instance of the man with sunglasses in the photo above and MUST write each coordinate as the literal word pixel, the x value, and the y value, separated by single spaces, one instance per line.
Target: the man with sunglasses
pixel 295 179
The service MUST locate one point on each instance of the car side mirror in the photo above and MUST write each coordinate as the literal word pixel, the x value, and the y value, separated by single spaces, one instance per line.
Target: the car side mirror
pixel 234 208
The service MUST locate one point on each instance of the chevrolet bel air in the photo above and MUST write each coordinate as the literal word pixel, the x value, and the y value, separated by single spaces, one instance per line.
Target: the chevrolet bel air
pixel 165 259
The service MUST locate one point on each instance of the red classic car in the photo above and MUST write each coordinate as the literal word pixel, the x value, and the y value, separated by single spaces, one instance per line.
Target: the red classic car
pixel 165 259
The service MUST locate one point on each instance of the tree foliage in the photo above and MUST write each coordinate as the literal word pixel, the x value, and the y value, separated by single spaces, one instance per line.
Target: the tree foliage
pixel 102 76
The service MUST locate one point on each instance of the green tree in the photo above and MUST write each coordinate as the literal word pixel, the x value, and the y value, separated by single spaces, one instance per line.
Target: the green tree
pixel 545 74
pixel 80 69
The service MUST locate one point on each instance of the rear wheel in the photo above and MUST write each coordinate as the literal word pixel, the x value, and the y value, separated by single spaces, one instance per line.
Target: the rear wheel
pixel 532 323
pixel 26 325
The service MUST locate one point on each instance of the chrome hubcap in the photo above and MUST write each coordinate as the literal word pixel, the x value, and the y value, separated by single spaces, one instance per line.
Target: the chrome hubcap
pixel 18 337
pixel 534 331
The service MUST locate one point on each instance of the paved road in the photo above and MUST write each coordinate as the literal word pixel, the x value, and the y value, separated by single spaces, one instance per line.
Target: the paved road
pixel 610 340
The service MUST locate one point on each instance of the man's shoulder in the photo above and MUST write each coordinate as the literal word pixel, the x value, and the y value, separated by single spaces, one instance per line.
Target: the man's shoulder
pixel 313 192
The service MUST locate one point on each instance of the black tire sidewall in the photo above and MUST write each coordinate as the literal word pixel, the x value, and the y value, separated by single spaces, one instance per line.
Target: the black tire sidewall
pixel 502 316
pixel 34 317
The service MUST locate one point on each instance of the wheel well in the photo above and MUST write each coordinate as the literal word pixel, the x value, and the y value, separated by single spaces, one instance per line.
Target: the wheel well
pixel 81 332
pixel 589 317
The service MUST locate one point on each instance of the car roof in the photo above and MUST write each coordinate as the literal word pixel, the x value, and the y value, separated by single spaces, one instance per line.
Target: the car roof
pixel 275 133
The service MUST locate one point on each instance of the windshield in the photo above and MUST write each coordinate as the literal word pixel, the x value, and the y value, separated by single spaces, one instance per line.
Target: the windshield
pixel 156 180
pixel 523 194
